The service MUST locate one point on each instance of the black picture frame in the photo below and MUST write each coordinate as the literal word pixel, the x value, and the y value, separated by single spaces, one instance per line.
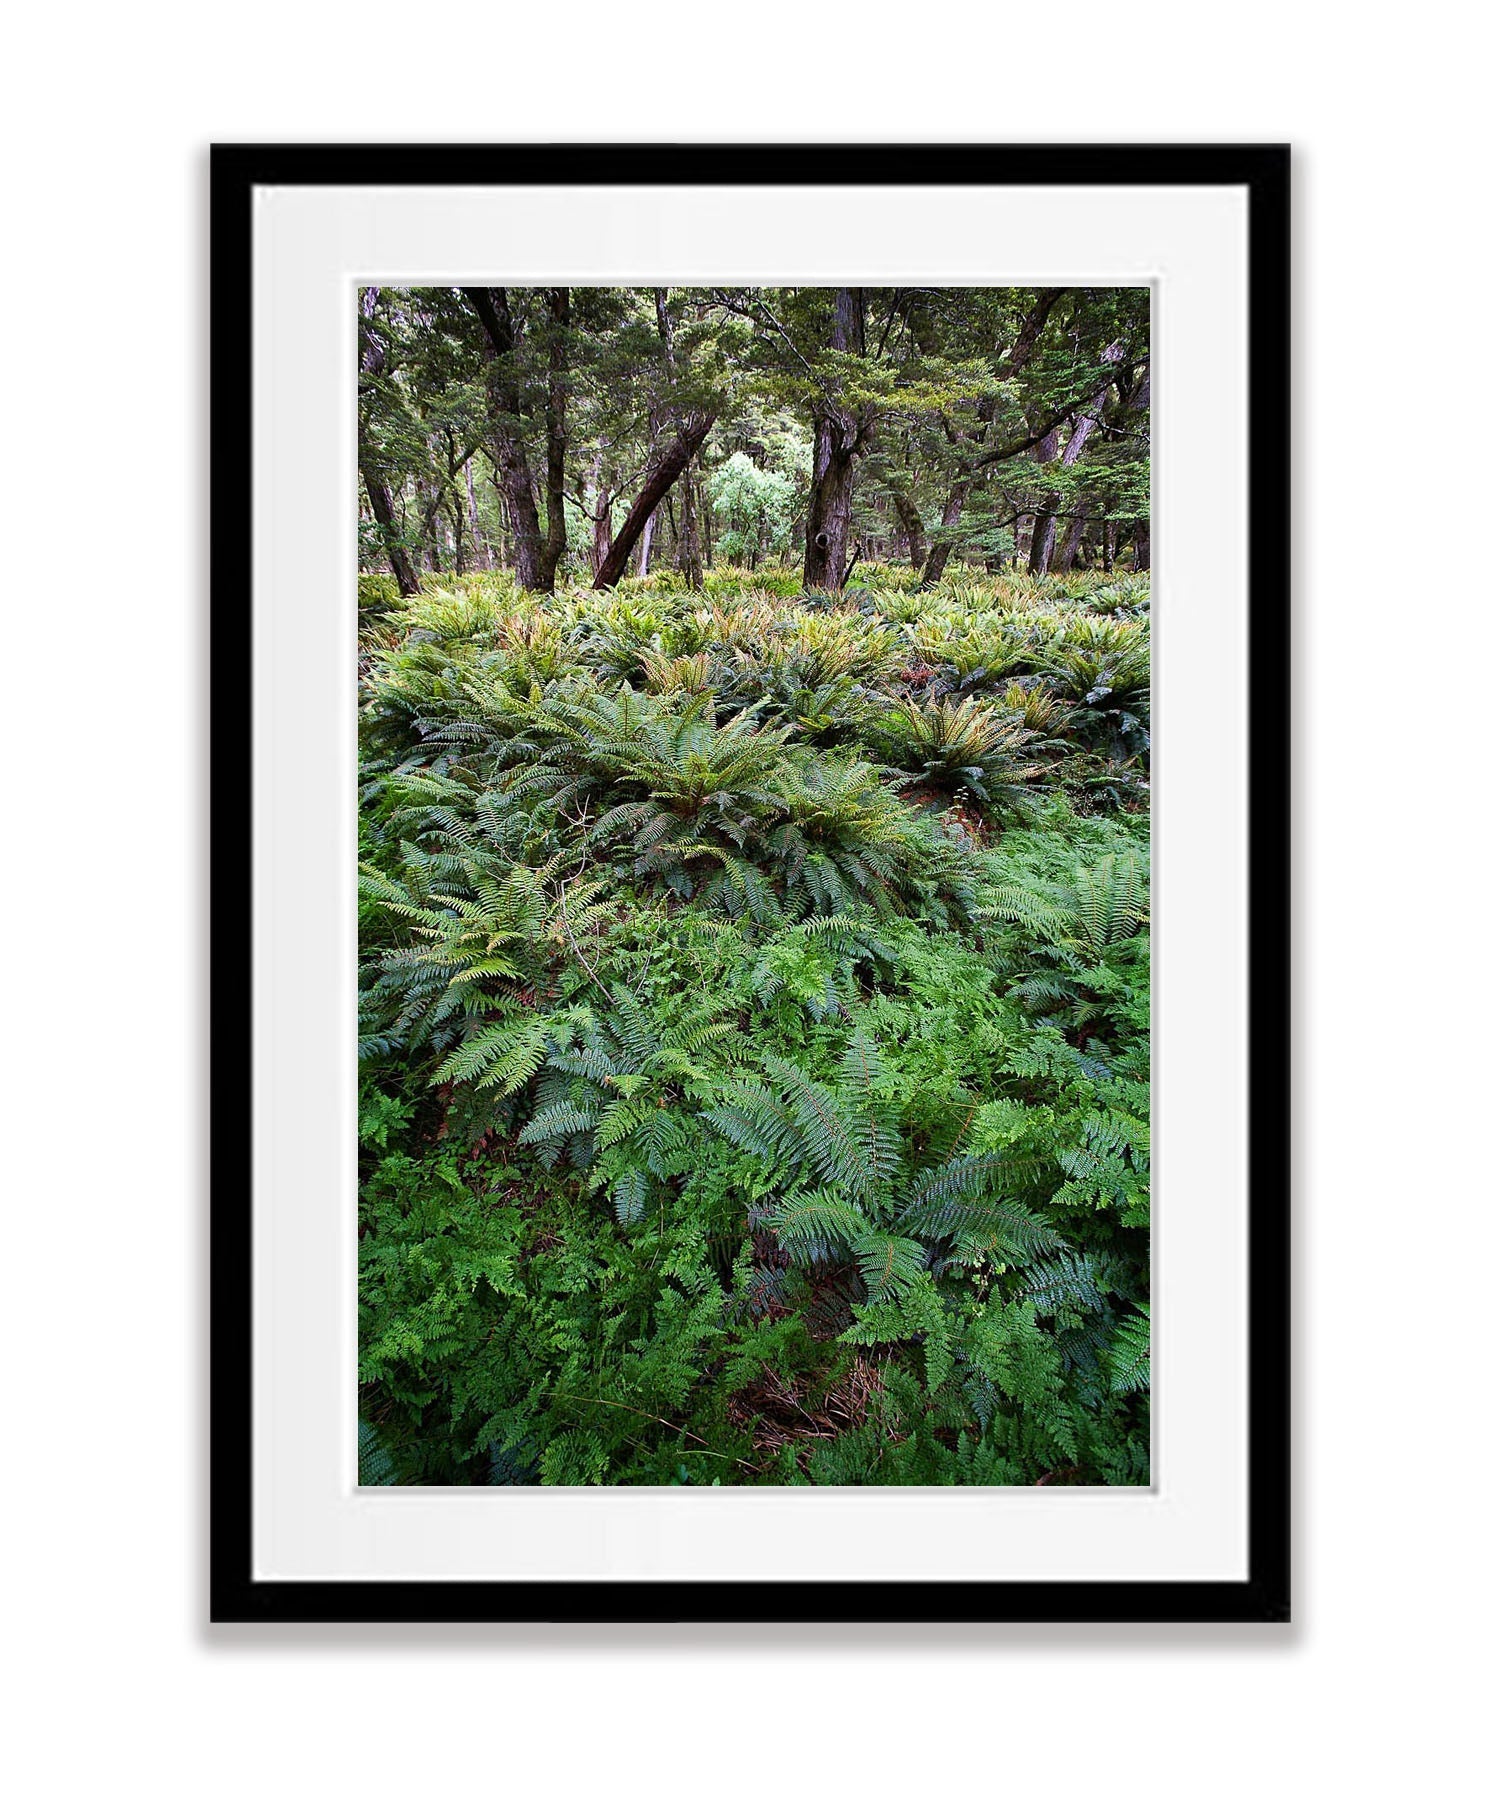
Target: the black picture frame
pixel 1263 171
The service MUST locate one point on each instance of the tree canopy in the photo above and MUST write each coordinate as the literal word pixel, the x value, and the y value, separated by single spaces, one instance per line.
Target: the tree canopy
pixel 580 433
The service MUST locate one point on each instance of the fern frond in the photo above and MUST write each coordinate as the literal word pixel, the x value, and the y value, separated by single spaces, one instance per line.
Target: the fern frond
pixel 1074 1279
pixel 1130 1353
pixel 889 1265
pixel 562 1120
pixel 816 1225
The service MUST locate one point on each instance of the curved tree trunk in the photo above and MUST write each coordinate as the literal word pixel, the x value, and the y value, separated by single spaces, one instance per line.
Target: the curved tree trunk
pixel 659 478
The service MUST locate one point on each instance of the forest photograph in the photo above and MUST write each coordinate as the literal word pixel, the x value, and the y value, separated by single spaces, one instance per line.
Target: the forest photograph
pixel 754 831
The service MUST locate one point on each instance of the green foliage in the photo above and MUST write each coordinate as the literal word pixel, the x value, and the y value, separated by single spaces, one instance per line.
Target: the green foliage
pixel 966 744
pixel 756 507
pixel 732 1111
pixel 377 594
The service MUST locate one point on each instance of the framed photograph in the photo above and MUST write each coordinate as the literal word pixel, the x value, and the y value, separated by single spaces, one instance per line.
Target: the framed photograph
pixel 750 773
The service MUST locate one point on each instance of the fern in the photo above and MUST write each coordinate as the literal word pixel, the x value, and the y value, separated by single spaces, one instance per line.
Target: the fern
pixel 966 744
pixel 726 1115
pixel 376 1466
pixel 1130 1353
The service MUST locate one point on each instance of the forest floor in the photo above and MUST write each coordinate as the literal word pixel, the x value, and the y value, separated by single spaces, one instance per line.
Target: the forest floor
pixel 755 995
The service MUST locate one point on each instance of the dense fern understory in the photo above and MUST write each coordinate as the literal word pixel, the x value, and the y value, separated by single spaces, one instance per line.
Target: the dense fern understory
pixel 755 998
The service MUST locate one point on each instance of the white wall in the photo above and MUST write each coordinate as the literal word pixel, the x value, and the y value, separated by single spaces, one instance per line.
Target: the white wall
pixel 1378 1688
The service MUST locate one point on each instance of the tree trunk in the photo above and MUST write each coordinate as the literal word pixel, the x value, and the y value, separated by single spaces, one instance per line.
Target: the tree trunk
pixel 601 511
pixel 830 508
pixel 1044 522
pixel 558 314
pixel 942 546
pixel 1011 364
pixel 1139 401
pixel 603 539
pixel 508 446
pixel 1072 544
pixel 430 500
pixel 663 471
pixel 689 551
pixel 837 438
pixel 1082 430
pixel 482 551
pixel 384 512
pixel 689 559
pixel 382 506
pixel 910 521
pixel 645 562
